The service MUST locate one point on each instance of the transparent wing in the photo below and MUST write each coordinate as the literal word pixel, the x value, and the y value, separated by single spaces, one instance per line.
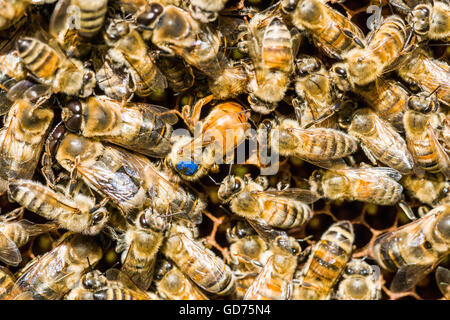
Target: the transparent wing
pixel 265 231
pixel 261 282
pixel 164 113
pixel 141 279
pixel 370 174
pixel 36 229
pixel 443 281
pixel 117 275
pixel 445 160
pixel 60 18
pixel 9 253
pixel 408 276
pixel 303 195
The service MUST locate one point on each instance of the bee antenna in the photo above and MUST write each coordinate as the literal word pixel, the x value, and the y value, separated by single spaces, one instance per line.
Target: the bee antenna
pixel 229 169
pixel 89 264
pixel 304 239
pixel 434 91
pixel 215 182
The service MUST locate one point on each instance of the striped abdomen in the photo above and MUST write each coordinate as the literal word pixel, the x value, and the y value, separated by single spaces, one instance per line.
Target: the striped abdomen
pixel 277 46
pixel 180 77
pixel 147 76
pixel 116 292
pixel 323 144
pixel 427 151
pixel 38 57
pixel 326 262
pixel 16 233
pixel 92 15
pixel 176 286
pixel 284 213
pixel 382 190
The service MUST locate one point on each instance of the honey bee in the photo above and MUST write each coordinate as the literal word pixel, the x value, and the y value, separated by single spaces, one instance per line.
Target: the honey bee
pixel 139 246
pixel 428 189
pixel 326 262
pixel 113 285
pixel 379 140
pixel 205 11
pixel 140 127
pixel 180 76
pixel 415 248
pixel 172 284
pixel 73 18
pixel 7 281
pixel 443 281
pixel 272 48
pixel 53 68
pixel 200 264
pixel 316 145
pixel 317 94
pixel 130 180
pixel 15 233
pixel 78 213
pixel 12 10
pixel 431 20
pixel 329 29
pixel 274 282
pixel 54 274
pixel 246 247
pixel 365 65
pixel 359 281
pixel 431 75
pixel 175 31
pixel 22 138
pixel 428 153
pixel 376 185
pixel 278 208
pixel 129 50
pixel 220 133
pixel 386 97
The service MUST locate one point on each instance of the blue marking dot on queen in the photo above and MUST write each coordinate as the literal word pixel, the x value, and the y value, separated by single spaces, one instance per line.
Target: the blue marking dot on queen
pixel 188 168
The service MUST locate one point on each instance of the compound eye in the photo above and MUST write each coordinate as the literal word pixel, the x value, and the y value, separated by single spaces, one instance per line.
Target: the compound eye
pixel 147 18
pixel 98 217
pixel 55 137
pixel 294 251
pixel 290 5
pixel 341 72
pixel 143 221
pixel 316 66
pixel 236 186
pixel 73 120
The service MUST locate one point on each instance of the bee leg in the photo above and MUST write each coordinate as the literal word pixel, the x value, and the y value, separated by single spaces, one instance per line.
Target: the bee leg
pixel 369 154
pixel 99 205
pixel 192 116
pixel 46 169
pixel 16 214
pixel 407 210
pixel 73 177
pixel 355 39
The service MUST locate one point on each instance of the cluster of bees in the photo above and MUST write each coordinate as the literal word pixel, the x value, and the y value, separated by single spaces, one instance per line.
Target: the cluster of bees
pixel 92 92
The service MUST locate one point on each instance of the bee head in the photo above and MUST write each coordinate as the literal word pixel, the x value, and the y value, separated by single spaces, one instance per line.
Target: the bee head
pixel 116 30
pixel 147 19
pixel 307 65
pixel 229 188
pixel 289 5
pixel 93 280
pixel 420 19
pixel 71 115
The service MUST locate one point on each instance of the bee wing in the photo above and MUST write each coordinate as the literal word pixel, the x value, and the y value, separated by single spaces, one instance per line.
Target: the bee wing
pixel 36 229
pixel 60 18
pixel 373 172
pixel 164 113
pixel 408 276
pixel 134 280
pixel 265 231
pixel 9 253
pixel 440 71
pixel 303 195
pixel 443 281
pixel 117 275
pixel 445 160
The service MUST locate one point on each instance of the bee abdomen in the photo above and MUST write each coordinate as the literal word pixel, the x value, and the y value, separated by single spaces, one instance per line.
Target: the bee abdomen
pixel 38 57
pixel 286 215
pixel 91 20
pixel 277 46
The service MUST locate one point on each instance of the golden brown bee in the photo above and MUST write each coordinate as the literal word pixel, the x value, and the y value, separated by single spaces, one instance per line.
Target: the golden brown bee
pixel 206 11
pixel 274 282
pixel 245 249
pixel 21 140
pixel 431 21
pixel 359 281
pixel 84 17
pixel 427 152
pixel 139 245
pixel 51 67
pixel 415 248
pixel 113 285
pixel 175 31
pixel 428 189
pixel 386 97
pixel 329 29
pixel 128 179
pixel 215 138
pixel 172 284
pixel 16 233
pixel 379 140
pixel 54 274
pixel 272 49
pixel 365 65
pixel 7 281
pixel 443 281
pixel 140 127
pixel 200 264
pixel 129 50
pixel 12 10
pixel 317 94
pixel 77 213
pixel 315 145
pixel 179 75
pixel 431 75
pixel 376 185
pixel 278 208
pixel 326 262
